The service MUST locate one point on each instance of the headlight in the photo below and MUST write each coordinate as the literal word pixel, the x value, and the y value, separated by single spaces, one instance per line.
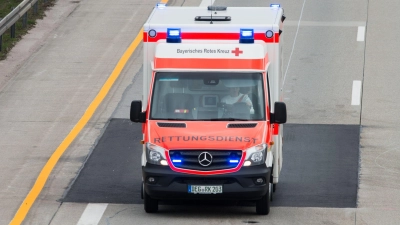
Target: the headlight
pixel 155 154
pixel 255 155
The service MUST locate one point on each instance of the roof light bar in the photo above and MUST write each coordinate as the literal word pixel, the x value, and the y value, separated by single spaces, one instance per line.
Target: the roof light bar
pixel 273 5
pixel 174 35
pixel 246 36
pixel 161 5
pixel 246 33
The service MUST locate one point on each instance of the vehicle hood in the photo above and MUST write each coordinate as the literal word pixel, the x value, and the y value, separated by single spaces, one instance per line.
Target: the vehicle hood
pixel 206 134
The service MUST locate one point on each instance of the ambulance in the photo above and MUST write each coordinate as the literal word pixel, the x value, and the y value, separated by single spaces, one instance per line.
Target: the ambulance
pixel 212 109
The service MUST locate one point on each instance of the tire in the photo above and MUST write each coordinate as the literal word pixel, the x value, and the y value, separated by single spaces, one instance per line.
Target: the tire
pixel 150 205
pixel 271 191
pixel 263 205
pixel 142 190
pixel 272 180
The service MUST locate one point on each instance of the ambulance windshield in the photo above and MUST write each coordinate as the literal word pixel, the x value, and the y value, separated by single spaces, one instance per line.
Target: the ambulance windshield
pixel 209 96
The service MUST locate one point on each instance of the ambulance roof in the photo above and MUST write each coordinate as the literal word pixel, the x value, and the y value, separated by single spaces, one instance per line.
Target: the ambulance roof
pixel 240 16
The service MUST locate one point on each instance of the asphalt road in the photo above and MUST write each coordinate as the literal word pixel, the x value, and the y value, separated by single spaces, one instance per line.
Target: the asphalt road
pixel 65 66
pixel 315 174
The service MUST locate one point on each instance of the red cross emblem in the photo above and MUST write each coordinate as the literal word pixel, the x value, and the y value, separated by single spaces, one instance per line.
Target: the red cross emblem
pixel 237 51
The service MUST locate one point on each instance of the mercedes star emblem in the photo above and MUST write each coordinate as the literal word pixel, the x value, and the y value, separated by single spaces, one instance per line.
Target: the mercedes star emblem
pixel 205 159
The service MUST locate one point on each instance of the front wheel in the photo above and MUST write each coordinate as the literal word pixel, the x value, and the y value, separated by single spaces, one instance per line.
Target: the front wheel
pixel 271 191
pixel 150 205
pixel 263 205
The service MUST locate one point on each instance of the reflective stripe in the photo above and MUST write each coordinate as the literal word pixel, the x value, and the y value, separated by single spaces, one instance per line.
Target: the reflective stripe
pixel 182 63
pixel 210 36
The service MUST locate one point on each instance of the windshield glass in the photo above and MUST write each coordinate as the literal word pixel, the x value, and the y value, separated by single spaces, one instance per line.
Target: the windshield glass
pixel 208 96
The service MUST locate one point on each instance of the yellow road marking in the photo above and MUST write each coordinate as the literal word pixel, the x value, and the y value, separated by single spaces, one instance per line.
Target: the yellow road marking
pixel 44 174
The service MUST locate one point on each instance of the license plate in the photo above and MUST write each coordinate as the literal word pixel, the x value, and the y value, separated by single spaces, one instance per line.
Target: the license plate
pixel 205 189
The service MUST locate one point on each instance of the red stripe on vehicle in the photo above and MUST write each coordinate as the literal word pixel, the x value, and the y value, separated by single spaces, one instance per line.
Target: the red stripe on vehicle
pixel 275 128
pixel 210 36
pixel 200 63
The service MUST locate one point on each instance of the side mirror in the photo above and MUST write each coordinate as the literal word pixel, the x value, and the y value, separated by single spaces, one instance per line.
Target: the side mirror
pixel 137 115
pixel 279 116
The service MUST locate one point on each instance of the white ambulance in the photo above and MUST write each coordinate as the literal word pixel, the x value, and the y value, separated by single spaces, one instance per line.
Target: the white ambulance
pixel 211 109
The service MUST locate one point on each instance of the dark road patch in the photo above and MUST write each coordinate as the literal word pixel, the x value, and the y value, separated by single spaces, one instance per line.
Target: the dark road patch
pixel 112 174
pixel 320 167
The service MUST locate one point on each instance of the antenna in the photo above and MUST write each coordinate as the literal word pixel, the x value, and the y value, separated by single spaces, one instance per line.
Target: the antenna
pixel 211 10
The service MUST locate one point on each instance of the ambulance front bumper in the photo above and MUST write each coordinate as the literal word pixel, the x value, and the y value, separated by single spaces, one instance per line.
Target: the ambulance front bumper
pixel 161 182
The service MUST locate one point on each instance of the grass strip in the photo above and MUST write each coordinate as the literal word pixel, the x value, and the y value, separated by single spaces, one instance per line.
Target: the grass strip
pixel 6 6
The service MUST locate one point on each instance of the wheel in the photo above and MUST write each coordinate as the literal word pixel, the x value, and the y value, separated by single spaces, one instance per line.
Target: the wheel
pixel 263 205
pixel 271 191
pixel 142 190
pixel 273 188
pixel 150 205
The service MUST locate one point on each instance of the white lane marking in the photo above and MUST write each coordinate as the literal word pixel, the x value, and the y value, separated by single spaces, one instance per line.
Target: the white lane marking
pixel 294 43
pixel 92 214
pixel 206 2
pixel 361 33
pixel 356 94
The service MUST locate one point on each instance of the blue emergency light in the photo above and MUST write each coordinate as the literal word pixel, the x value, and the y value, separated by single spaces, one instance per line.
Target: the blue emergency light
pixel 246 36
pixel 275 5
pixel 161 5
pixel 234 161
pixel 177 160
pixel 174 35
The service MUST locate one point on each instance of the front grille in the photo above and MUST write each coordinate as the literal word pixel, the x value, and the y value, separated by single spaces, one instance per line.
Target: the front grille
pixel 189 159
pixel 182 125
pixel 242 125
